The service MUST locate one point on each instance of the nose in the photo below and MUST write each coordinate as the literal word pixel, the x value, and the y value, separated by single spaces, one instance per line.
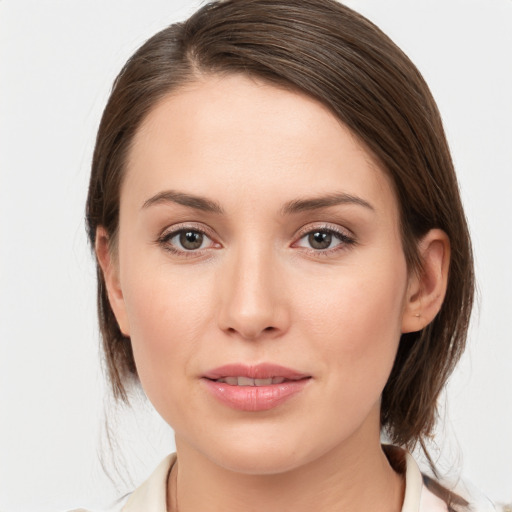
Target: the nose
pixel 253 302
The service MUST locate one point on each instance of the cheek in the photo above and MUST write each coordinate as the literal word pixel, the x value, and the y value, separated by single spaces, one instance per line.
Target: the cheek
pixel 167 314
pixel 355 316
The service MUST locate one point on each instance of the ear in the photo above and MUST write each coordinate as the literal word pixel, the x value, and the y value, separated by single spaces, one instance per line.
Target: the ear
pixel 427 286
pixel 110 269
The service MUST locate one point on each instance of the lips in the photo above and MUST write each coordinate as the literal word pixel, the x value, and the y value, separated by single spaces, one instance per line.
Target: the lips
pixel 254 388
pixel 256 372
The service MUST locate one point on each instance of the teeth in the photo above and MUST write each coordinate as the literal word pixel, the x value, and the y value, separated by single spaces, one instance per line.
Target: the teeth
pixel 262 382
pixel 246 381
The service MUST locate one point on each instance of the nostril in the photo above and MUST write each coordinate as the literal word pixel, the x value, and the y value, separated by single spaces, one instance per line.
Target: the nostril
pixel 251 333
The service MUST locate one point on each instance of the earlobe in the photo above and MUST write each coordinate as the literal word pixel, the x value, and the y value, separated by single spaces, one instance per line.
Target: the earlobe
pixel 427 286
pixel 110 270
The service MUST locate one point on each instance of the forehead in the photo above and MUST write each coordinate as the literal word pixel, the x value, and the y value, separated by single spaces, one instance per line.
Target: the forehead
pixel 233 134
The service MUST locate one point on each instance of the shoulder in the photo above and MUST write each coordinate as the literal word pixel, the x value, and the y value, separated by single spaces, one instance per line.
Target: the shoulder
pixel 459 497
pixel 462 496
pixel 152 494
pixel 149 496
pixel 425 494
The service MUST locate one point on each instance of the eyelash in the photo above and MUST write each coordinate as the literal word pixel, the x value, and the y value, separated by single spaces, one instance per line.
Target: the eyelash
pixel 167 236
pixel 344 239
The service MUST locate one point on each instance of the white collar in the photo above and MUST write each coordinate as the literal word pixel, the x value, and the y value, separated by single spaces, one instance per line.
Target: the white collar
pixel 151 496
pixel 417 497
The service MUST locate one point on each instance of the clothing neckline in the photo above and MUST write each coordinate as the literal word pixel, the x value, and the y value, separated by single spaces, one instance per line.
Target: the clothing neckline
pixel 152 494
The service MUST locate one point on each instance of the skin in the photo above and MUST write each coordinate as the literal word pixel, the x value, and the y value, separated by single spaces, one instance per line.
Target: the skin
pixel 258 291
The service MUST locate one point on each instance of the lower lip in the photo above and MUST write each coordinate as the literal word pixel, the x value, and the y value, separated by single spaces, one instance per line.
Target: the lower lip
pixel 255 398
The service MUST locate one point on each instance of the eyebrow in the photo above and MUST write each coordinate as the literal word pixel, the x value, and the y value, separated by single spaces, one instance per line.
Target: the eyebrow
pixel 292 207
pixel 192 201
pixel 316 203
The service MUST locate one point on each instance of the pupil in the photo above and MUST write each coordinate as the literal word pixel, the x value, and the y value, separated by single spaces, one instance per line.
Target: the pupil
pixel 191 240
pixel 320 240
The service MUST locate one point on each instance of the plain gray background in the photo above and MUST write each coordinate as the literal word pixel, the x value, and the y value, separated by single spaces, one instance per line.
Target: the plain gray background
pixel 58 59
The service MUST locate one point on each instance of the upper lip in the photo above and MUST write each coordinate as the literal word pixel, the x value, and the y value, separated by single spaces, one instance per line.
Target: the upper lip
pixel 258 371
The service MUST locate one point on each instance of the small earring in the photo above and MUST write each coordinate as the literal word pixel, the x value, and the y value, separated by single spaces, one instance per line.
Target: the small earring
pixel 417 315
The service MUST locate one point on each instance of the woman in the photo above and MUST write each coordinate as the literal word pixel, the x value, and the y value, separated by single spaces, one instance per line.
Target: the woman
pixel 283 259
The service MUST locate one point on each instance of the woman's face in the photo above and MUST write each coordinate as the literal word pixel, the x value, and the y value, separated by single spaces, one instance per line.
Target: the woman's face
pixel 258 240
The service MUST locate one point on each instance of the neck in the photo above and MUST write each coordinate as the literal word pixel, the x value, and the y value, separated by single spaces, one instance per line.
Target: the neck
pixel 353 477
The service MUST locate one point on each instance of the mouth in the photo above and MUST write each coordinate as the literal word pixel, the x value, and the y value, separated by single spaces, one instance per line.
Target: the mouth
pixel 263 374
pixel 254 388
pixel 247 381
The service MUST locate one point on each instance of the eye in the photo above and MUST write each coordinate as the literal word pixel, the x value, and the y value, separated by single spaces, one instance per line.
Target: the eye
pixel 320 239
pixel 324 240
pixel 183 240
pixel 189 240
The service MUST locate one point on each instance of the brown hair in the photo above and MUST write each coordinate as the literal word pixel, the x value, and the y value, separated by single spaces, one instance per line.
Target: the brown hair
pixel 335 55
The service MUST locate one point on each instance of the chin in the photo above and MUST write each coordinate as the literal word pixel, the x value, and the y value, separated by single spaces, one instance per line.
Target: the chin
pixel 263 455
pixel 258 462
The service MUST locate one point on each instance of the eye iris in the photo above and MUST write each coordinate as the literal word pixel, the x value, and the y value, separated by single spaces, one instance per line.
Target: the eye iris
pixel 191 240
pixel 320 239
